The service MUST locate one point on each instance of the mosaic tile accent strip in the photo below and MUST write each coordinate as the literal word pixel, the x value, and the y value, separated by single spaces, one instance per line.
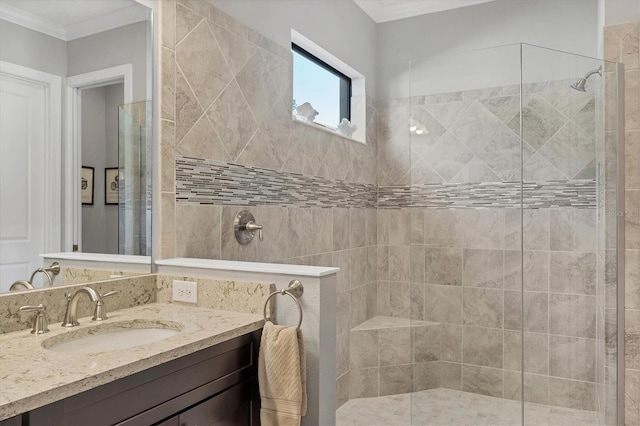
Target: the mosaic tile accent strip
pixel 574 193
pixel 215 182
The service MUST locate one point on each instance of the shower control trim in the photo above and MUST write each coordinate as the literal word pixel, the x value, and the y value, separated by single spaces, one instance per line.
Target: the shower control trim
pixel 245 227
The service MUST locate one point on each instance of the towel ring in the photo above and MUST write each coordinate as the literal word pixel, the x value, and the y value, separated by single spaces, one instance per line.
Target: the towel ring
pixel 295 290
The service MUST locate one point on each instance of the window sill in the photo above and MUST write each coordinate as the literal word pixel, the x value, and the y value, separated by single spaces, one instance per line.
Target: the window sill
pixel 327 130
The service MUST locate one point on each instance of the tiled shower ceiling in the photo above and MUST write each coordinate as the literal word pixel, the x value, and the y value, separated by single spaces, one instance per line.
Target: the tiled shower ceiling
pixel 390 10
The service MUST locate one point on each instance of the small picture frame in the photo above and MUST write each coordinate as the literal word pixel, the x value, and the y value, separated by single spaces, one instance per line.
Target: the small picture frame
pixel 86 186
pixel 111 186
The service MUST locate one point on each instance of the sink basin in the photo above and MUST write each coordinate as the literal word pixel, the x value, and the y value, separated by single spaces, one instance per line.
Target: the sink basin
pixel 112 336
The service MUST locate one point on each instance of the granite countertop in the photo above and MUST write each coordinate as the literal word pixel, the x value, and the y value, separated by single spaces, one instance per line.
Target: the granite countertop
pixel 32 376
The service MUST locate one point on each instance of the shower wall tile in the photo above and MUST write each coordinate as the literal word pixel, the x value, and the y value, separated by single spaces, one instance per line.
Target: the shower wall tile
pixel 400 299
pixel 632 401
pixel 533 265
pixel 483 268
pixel 364 349
pixel 426 343
pixel 483 346
pixel 482 380
pixel 417 266
pixel 631 99
pixel 363 382
pixel 225 91
pixel 443 304
pixel 426 375
pixel 399 227
pixel 572 315
pixel 394 346
pixel 443 266
pixel 342 389
pixel 572 394
pixel 358 307
pixel 443 227
pixel 632 339
pixel 632 159
pixel 395 379
pixel 536 311
pixel 484 229
pixel 536 352
pixel 572 358
pixel 198 231
pixel 450 375
pixel 399 263
pixel 451 342
pixel 540 121
pixel 570 150
pixel 571 229
pixel 483 307
pixel 572 273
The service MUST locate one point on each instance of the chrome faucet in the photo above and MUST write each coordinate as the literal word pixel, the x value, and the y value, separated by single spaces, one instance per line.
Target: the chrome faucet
pixel 71 314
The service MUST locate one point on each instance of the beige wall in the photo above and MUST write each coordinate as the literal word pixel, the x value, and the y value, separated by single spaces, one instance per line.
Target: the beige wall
pixel 226 96
pixel 621 45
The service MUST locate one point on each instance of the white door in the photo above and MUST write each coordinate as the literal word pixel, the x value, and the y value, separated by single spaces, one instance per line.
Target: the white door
pixel 23 201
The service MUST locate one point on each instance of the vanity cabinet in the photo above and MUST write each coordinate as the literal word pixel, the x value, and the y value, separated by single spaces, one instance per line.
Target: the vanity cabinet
pixel 214 386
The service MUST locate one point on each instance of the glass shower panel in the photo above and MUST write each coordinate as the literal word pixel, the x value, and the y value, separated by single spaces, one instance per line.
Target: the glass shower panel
pixel 568 309
pixel 462 130
pixel 134 178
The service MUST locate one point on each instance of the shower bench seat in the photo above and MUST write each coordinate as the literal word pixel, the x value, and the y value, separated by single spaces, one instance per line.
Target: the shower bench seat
pixel 395 355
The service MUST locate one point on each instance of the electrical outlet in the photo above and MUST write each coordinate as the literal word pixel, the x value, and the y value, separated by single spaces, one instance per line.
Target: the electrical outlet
pixel 185 291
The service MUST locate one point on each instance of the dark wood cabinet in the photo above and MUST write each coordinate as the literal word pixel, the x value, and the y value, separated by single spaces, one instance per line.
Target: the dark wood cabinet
pixel 214 386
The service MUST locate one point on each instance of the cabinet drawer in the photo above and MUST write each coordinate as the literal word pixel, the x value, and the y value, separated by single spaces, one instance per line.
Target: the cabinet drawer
pixel 207 371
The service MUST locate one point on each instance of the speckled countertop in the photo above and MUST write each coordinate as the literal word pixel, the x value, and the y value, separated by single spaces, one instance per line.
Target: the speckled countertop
pixel 31 376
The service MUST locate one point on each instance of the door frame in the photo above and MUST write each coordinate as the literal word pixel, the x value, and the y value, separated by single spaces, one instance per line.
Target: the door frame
pixel 52 150
pixel 72 141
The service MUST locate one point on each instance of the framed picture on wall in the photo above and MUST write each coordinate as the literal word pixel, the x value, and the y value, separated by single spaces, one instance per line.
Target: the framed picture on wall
pixel 111 186
pixel 86 186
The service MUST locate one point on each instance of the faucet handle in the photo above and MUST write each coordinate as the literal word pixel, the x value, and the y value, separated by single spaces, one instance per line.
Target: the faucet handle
pixel 40 322
pixel 109 293
pixel 100 313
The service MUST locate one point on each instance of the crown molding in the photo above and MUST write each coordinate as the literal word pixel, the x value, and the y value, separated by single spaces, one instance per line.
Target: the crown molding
pixel 116 19
pixel 109 21
pixel 33 22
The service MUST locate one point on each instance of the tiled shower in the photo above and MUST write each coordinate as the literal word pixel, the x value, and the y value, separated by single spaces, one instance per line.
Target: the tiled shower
pixel 453 257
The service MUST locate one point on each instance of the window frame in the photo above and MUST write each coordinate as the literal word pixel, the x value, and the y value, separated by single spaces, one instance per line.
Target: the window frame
pixel 345 80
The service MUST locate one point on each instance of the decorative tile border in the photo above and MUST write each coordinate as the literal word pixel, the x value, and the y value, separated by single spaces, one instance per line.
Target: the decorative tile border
pixel 215 182
pixel 576 193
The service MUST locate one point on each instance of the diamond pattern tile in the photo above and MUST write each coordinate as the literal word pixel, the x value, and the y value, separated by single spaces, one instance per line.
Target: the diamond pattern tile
pixel 503 153
pixel 540 122
pixel 448 156
pixel 570 150
pixel 203 64
pixel 232 119
pixel 476 127
pixel 258 87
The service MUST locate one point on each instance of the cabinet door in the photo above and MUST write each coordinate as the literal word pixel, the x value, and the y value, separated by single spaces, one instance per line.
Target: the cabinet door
pixel 232 407
pixel 12 421
pixel 173 421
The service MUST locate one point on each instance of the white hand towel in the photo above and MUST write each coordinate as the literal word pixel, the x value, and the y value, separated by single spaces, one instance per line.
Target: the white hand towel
pixel 282 376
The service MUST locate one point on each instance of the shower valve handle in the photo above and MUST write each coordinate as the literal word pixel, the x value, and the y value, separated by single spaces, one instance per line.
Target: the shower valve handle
pixel 253 227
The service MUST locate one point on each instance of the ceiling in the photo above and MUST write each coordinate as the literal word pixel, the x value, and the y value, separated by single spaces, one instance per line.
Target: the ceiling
pixel 391 10
pixel 71 19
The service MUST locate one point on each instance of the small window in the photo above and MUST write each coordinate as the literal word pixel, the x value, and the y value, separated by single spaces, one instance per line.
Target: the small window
pixel 324 87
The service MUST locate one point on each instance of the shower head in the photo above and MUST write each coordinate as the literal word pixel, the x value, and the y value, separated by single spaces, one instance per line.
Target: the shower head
pixel 582 82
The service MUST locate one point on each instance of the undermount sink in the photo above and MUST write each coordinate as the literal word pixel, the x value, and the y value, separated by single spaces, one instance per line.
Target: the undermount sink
pixel 112 336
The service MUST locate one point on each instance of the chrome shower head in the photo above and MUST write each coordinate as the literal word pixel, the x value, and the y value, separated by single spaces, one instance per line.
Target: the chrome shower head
pixel 582 82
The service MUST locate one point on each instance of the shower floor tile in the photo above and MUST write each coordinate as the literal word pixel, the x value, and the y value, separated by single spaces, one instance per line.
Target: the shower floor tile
pixel 451 407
